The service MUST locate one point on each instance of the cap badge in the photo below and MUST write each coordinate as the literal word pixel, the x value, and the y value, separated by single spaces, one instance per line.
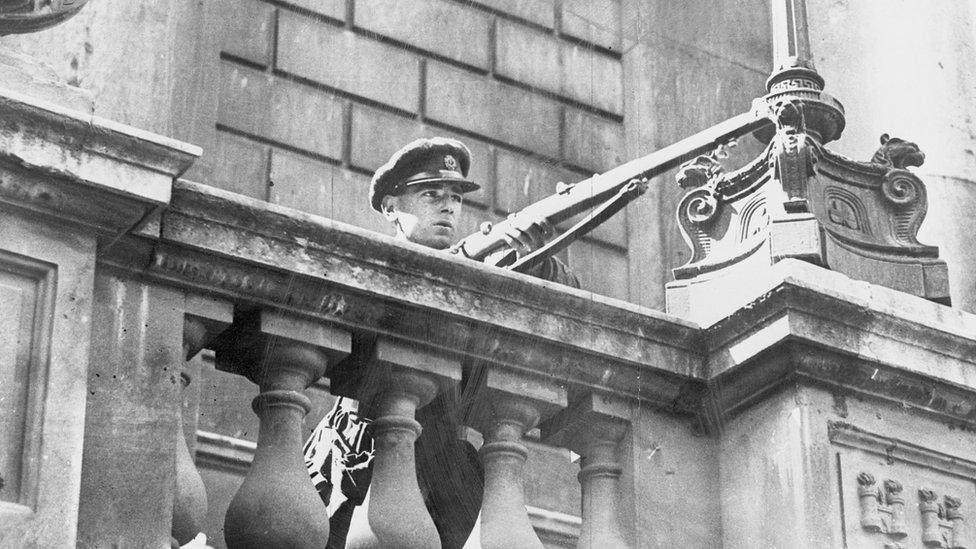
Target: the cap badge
pixel 451 163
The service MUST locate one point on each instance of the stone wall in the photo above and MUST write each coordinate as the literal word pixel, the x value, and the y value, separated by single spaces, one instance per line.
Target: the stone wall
pixel 314 96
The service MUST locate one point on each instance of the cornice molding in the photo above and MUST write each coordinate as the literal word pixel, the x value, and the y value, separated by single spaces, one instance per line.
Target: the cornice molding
pixel 248 251
pixel 793 321
pixel 896 449
pixel 84 169
pixel 814 326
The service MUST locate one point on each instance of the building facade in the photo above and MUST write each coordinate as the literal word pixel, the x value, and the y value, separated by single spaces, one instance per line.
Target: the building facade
pixel 787 422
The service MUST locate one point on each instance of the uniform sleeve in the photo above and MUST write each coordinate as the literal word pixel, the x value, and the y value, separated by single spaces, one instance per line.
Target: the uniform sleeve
pixel 554 270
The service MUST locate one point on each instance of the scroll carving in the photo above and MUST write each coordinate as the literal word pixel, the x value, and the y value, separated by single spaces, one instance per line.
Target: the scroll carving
pixel 870 212
pixel 722 211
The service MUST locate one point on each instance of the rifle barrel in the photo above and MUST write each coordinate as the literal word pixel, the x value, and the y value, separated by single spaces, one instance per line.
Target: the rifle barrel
pixel 601 187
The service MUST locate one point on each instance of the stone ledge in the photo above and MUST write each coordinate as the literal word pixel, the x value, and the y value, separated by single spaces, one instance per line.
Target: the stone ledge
pixel 83 168
pixel 802 323
pixel 220 243
pixel 794 321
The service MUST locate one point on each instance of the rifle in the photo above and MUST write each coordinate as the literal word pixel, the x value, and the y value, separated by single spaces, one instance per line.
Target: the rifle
pixel 614 188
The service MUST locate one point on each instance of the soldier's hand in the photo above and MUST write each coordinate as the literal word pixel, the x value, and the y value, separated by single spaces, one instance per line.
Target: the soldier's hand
pixel 526 234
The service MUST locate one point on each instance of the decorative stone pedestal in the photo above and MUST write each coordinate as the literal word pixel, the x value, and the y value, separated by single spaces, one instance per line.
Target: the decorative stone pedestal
pixel 842 412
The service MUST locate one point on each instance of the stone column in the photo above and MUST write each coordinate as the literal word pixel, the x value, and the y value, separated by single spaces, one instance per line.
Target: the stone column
pixel 277 506
pixel 908 68
pixel 512 406
pixel 401 378
pixel 593 428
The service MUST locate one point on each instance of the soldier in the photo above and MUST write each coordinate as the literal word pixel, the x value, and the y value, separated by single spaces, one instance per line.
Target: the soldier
pixel 419 191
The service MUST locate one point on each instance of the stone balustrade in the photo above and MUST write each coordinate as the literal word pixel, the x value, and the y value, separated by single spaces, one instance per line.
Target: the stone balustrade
pixel 749 431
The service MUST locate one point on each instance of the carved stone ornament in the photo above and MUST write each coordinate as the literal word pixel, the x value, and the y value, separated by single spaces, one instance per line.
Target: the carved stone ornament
pixel 864 217
pixel 25 16
pixel 882 508
pixel 943 525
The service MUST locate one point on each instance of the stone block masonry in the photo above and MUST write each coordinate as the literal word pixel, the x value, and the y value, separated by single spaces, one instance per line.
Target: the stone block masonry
pixel 315 95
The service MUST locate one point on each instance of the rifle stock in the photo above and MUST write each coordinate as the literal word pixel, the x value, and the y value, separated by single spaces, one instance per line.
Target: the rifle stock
pixel 601 187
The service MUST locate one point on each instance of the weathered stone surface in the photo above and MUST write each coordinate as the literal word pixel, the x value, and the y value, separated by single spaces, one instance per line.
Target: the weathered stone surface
pixel 131 413
pixel 540 12
pixel 45 290
pixel 524 180
pixel 593 142
pixel 332 8
pixel 601 270
pixel 323 189
pixel 949 224
pixel 498 111
pixel 597 22
pixel 745 36
pixel 350 62
pixel 30 76
pixel 94 172
pixel 90 51
pixel 542 60
pixel 549 478
pixel 528 55
pixel 302 183
pixel 376 135
pixel 462 32
pixel 241 166
pixel 283 103
pixel 593 78
pixel 670 474
pixel 248 34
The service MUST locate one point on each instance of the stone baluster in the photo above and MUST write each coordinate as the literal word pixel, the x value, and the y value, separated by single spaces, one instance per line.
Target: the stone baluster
pixel 203 319
pixel 277 506
pixel 593 428
pixel 400 379
pixel 514 405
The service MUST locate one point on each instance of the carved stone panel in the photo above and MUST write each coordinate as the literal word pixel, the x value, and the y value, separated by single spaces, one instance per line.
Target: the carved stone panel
pixel 898 495
pixel 26 290
pixel 45 325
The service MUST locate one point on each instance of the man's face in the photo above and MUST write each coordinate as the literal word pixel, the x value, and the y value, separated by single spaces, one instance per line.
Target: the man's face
pixel 425 214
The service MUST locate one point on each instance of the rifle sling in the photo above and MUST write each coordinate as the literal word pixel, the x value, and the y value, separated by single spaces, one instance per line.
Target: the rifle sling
pixel 627 193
